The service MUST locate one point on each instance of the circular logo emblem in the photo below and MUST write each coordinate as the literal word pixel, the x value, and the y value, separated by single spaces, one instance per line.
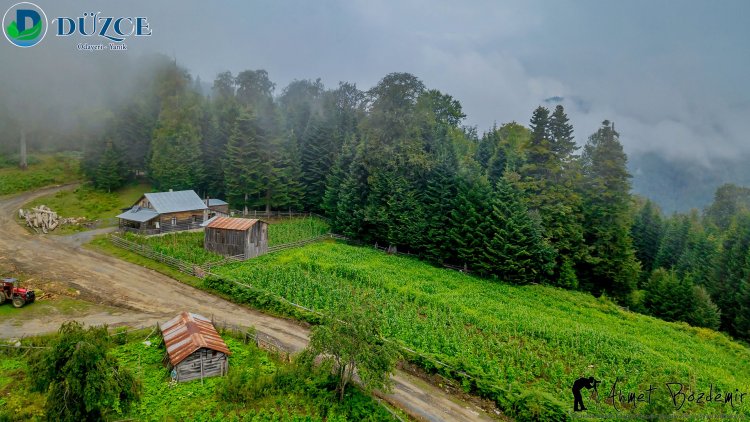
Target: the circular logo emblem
pixel 25 24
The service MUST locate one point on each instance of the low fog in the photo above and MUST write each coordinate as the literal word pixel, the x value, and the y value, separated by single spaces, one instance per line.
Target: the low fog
pixel 673 79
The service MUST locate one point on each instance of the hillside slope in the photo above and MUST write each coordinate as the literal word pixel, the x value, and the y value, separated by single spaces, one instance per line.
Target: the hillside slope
pixel 524 346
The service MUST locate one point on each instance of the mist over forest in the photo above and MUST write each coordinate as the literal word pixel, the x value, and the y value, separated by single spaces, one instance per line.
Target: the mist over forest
pixel 550 170
pixel 67 108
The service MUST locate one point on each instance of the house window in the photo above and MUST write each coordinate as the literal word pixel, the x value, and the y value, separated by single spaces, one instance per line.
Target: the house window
pixel 174 221
pixel 195 219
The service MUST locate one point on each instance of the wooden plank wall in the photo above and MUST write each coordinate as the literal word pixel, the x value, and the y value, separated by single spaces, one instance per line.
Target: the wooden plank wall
pixel 213 364
pixel 257 242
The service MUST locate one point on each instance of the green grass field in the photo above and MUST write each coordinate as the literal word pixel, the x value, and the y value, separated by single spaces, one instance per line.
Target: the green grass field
pixel 46 170
pixel 85 201
pixel 188 246
pixel 291 395
pixel 524 345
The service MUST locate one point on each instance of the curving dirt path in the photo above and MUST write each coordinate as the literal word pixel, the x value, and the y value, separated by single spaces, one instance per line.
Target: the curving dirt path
pixel 143 297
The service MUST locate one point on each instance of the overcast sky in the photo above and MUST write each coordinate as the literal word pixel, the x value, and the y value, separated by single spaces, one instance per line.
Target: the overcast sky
pixel 671 74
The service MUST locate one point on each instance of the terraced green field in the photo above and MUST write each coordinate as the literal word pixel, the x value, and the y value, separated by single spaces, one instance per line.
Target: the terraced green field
pixel 523 346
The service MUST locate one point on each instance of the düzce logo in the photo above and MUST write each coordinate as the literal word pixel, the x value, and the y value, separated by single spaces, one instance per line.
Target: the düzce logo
pixel 578 385
pixel 25 24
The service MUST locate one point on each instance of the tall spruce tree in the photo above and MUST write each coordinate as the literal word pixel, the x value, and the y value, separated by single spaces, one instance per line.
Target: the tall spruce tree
pixel 111 173
pixel 318 156
pixel 548 178
pixel 514 249
pixel 467 218
pixel 673 242
pixel 176 161
pixel 731 275
pixel 439 196
pixel 245 168
pixel 611 266
pixel 647 233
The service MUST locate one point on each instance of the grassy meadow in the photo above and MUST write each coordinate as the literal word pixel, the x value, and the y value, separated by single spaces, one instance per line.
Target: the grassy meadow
pixel 43 170
pixel 259 387
pixel 523 346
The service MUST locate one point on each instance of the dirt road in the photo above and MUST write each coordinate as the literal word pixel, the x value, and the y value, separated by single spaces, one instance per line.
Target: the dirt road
pixel 145 296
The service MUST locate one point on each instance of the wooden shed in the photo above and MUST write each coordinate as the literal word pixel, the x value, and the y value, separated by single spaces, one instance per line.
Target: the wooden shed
pixel 194 348
pixel 239 237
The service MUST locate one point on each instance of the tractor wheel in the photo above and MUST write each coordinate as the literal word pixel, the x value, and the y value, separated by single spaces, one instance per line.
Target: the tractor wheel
pixel 18 302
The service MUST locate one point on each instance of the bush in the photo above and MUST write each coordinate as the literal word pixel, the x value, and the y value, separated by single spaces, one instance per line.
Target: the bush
pixel 82 380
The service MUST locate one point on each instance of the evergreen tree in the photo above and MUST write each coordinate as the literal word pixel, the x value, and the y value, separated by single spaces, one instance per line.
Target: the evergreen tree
pixel 467 218
pixel 611 266
pixel 318 156
pixel 336 178
pixel 705 313
pixel 176 161
pixel 548 178
pixel 514 249
pixel 540 157
pixel 111 173
pixel 441 191
pixel 245 168
pixel 673 243
pixel 562 143
pixel 699 255
pixel 668 296
pixel 349 215
pixel 647 233
pixel 731 274
pixel 290 193
pixel 729 200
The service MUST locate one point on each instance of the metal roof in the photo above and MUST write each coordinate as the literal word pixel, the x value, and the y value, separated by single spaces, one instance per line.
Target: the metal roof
pixel 213 202
pixel 138 214
pixel 183 200
pixel 188 332
pixel 230 223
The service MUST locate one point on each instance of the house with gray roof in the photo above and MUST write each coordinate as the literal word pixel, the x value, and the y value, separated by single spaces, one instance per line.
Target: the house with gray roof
pixel 160 212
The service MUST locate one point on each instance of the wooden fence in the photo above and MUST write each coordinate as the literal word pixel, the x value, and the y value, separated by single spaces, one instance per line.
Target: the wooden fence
pixel 273 214
pixel 262 340
pixel 148 252
pixel 277 248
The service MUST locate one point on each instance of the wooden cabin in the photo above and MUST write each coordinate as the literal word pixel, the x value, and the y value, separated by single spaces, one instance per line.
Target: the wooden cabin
pixel 194 348
pixel 161 212
pixel 238 237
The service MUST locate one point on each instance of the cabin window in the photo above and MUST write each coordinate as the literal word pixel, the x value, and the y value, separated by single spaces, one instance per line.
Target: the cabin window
pixel 195 219
pixel 174 221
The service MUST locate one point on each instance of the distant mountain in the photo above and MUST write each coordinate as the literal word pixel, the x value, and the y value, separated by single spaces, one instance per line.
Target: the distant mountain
pixel 679 185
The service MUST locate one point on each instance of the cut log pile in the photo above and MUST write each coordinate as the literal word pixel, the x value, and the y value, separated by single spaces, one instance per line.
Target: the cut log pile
pixel 42 217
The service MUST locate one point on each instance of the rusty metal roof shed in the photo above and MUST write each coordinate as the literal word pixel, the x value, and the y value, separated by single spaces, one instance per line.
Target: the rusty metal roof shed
pixel 188 332
pixel 230 223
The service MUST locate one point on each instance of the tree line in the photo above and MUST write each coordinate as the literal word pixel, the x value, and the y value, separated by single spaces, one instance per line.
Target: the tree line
pixel 394 165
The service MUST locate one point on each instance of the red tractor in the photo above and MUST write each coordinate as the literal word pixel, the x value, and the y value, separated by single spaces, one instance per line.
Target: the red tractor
pixel 9 290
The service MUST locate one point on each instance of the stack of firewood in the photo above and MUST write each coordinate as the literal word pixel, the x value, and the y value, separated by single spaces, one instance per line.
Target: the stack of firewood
pixel 42 217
